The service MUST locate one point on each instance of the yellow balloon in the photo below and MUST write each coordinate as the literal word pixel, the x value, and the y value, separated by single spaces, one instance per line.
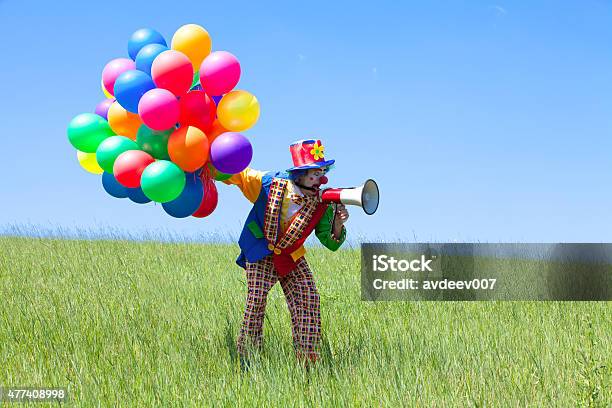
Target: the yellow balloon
pixel 122 122
pixel 88 162
pixel 105 92
pixel 238 110
pixel 193 41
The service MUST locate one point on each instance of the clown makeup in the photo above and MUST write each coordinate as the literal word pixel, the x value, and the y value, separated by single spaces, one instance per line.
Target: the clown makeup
pixel 312 180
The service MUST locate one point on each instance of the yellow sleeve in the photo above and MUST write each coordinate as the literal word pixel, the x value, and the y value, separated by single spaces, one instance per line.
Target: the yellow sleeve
pixel 249 182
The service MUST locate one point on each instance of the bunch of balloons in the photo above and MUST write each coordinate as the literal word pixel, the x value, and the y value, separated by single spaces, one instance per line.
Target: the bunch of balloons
pixel 170 123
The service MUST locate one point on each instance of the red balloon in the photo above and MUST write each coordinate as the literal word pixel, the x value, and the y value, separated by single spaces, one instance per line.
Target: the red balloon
pixel 129 166
pixel 214 130
pixel 209 200
pixel 197 109
pixel 173 71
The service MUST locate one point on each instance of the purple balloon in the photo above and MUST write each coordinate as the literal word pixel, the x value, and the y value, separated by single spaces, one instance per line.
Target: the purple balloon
pixel 217 98
pixel 231 152
pixel 103 107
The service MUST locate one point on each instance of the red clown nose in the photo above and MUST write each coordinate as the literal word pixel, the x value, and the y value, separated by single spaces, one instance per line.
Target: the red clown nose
pixel 323 180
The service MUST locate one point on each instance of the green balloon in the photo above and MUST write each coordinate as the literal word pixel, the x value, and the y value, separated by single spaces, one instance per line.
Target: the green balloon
pixel 87 130
pixel 219 176
pixel 162 181
pixel 110 148
pixel 196 79
pixel 153 142
pixel 222 176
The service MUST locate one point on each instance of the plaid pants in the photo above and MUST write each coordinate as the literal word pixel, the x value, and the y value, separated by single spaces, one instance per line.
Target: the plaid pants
pixel 302 300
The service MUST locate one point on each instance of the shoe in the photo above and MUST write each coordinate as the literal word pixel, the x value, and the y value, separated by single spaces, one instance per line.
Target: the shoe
pixel 245 363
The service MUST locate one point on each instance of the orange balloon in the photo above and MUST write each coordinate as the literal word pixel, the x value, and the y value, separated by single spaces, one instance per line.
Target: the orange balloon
pixel 193 41
pixel 188 148
pixel 215 130
pixel 122 122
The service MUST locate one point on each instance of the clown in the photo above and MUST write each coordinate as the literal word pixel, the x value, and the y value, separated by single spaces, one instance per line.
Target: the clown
pixel 286 209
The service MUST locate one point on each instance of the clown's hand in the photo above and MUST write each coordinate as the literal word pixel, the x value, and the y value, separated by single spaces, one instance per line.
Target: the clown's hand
pixel 341 214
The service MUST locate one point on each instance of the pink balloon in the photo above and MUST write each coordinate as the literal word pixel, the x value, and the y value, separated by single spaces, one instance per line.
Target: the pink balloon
pixel 113 69
pixel 159 109
pixel 172 70
pixel 219 73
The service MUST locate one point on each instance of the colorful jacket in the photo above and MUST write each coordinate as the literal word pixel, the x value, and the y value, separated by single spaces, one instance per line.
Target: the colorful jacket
pixel 262 233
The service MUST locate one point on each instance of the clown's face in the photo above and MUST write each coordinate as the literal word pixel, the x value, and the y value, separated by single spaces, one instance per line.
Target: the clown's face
pixel 313 178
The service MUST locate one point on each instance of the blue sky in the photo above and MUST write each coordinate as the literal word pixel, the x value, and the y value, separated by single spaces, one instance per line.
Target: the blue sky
pixel 480 121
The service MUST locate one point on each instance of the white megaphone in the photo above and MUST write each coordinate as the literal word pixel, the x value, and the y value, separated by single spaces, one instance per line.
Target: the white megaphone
pixel 365 196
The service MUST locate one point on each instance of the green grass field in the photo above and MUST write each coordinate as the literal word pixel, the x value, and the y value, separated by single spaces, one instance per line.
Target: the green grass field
pixel 123 323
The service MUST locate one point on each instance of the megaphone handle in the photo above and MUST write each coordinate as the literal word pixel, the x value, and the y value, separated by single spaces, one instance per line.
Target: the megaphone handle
pixel 334 217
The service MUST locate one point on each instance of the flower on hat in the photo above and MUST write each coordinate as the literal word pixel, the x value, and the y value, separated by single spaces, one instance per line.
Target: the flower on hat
pixel 317 151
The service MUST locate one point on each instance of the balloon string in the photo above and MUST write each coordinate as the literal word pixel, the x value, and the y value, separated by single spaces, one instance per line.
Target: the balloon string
pixel 205 175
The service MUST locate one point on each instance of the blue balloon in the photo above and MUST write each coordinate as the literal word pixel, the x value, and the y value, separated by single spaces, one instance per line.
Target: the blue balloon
pixel 216 99
pixel 137 196
pixel 145 57
pixel 142 37
pixel 129 88
pixel 112 186
pixel 189 200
